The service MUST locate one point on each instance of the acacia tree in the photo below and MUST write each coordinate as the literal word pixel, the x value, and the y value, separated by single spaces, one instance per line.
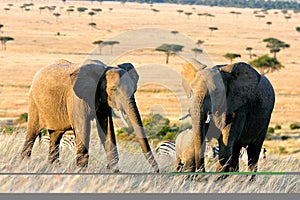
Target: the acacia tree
pixel 250 51
pixel 188 14
pixel 232 56
pixel 56 16
pixel 96 10
pixel 91 14
pixel 169 49
pixel 93 25
pixel 199 15
pixel 269 24
pixel 298 29
pixel 6 9
pixel 3 40
pixel 69 10
pixel 111 44
pixel 155 10
pixel 266 64
pixel 174 32
pixel 212 29
pixel 81 9
pixel 180 11
pixel 99 43
pixel 287 17
pixel 197 51
pixel 275 45
pixel 1 26
pixel 41 9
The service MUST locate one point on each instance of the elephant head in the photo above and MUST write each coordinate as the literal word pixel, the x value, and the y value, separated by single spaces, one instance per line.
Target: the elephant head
pixel 98 89
pixel 228 93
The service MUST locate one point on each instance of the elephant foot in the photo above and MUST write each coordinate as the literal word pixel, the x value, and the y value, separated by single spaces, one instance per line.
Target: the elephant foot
pixel 112 168
pixel 221 178
pixel 252 179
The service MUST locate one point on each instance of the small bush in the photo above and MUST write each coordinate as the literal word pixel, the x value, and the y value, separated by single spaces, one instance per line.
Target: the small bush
pixel 170 136
pixel 284 137
pixel 9 130
pixel 277 127
pixel 22 118
pixel 271 130
pixel 294 126
pixel 268 136
pixel 282 149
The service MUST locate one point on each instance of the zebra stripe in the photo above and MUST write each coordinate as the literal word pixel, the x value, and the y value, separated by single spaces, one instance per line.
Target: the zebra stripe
pixel 166 148
pixel 67 141
pixel 169 148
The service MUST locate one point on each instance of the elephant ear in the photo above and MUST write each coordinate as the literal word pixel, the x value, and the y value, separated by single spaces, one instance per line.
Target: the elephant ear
pixel 241 82
pixel 85 80
pixel 189 75
pixel 131 71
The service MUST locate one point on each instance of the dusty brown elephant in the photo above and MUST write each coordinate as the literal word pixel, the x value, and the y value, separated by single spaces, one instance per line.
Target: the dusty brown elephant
pixel 66 96
pixel 240 102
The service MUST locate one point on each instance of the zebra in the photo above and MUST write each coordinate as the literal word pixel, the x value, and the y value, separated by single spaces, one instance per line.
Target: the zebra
pixel 166 148
pixel 67 141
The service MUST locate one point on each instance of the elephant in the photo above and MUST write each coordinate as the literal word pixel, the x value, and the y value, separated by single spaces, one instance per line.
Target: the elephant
pixel 239 102
pixel 66 96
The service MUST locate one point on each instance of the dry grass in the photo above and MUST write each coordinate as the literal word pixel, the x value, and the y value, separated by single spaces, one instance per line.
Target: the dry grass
pixel 131 161
pixel 36 45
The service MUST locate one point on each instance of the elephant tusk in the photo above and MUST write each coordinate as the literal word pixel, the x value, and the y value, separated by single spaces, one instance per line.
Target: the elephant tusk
pixel 184 116
pixel 208 119
pixel 123 118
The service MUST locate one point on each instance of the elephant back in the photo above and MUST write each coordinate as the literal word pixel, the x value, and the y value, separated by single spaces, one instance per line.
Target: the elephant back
pixel 55 75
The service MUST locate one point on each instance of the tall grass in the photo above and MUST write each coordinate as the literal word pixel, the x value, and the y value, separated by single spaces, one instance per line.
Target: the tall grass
pixel 19 176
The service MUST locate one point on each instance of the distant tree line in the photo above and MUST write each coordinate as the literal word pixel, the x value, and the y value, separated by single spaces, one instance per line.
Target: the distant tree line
pixel 264 4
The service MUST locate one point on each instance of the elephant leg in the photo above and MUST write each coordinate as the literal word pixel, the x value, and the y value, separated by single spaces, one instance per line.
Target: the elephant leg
pixel 29 142
pixel 33 129
pixel 234 161
pixel 189 165
pixel 108 138
pixel 253 152
pixel 55 137
pixel 230 133
pixel 223 158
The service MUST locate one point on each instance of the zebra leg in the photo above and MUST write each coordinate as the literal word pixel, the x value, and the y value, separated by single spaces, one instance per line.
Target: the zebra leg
pixel 179 165
pixel 68 141
pixel 55 137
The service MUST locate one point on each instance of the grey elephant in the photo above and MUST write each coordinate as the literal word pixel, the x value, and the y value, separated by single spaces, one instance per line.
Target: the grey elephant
pixel 240 102
pixel 66 96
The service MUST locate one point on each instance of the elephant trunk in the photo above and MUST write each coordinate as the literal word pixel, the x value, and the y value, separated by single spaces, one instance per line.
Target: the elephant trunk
pixel 133 113
pixel 198 120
